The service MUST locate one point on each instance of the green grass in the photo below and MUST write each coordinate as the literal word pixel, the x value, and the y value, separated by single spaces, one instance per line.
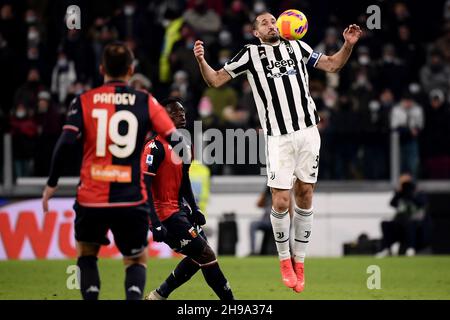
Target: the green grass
pixel 251 278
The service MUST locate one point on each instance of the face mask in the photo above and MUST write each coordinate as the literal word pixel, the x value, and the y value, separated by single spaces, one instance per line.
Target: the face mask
pixel 225 38
pixel 62 62
pixel 33 55
pixel 361 80
pixel 20 114
pixel 128 10
pixel 205 107
pixel 165 23
pixel 33 36
pixel 30 19
pixel 329 102
pixel 388 59
pixel 363 60
pixel 259 7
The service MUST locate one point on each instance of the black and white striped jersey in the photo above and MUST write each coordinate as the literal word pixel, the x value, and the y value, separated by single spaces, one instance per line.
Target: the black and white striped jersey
pixel 280 85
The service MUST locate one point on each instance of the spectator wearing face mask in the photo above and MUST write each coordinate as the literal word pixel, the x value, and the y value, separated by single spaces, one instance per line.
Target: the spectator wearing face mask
pixel 236 16
pixel 391 71
pixel 63 76
pixel 435 74
pixel 182 58
pixel 205 22
pixel 24 133
pixel 49 123
pixel 408 120
pixel 27 94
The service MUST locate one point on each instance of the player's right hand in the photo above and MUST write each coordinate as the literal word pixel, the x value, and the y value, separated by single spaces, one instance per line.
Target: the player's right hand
pixel 159 233
pixel 198 217
pixel 46 195
pixel 199 50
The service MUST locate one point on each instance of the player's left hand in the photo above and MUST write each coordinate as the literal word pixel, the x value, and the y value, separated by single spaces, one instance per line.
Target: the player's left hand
pixel 159 233
pixel 352 34
pixel 198 217
pixel 46 195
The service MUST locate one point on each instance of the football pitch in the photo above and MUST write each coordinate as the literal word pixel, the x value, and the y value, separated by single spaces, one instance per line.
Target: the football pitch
pixel 254 278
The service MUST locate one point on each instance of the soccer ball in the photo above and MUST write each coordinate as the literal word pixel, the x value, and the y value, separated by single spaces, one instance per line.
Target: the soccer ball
pixel 292 24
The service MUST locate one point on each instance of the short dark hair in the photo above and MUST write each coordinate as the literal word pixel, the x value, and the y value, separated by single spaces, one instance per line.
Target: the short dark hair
pixel 171 100
pixel 116 59
pixel 255 21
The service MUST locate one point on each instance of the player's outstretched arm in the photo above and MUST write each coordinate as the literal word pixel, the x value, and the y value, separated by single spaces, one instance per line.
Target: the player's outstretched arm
pixel 335 62
pixel 212 77
pixel 158 230
pixel 60 155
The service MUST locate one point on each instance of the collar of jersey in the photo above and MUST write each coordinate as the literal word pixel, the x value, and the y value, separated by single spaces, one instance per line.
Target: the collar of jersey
pixel 273 45
pixel 116 83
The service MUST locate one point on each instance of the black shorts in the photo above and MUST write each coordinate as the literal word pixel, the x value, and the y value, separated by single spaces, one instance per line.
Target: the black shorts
pixel 129 226
pixel 183 236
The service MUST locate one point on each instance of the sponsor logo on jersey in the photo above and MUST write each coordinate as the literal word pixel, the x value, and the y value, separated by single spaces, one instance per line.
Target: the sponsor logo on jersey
pixel 280 64
pixel 111 173
pixel 290 72
pixel 184 243
pixel 193 232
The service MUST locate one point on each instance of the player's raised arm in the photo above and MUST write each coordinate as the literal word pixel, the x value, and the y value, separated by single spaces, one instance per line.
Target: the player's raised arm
pixel 212 77
pixel 335 62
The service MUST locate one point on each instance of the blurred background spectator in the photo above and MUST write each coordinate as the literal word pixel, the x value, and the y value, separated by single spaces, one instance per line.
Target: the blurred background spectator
pixel 407 119
pixel 409 226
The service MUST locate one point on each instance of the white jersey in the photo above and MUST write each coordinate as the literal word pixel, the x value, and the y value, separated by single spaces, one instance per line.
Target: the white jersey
pixel 280 84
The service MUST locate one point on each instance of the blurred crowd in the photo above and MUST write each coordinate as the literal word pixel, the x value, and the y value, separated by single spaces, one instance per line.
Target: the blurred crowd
pixel 397 79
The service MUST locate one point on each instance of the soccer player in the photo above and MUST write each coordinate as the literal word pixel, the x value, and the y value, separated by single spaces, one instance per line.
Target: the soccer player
pixel 276 71
pixel 112 121
pixel 168 183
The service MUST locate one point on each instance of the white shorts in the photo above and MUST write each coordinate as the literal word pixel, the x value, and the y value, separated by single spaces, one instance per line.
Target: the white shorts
pixel 293 155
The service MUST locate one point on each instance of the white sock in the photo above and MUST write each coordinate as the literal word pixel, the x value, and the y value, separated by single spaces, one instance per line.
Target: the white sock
pixel 303 219
pixel 281 223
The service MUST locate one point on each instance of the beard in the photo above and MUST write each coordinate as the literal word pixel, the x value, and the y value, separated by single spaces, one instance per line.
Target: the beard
pixel 272 38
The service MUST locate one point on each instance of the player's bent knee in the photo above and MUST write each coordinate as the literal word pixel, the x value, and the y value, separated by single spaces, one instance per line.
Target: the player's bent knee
pixel 280 200
pixel 207 256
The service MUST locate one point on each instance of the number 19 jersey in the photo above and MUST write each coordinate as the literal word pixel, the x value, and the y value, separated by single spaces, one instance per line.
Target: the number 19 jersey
pixel 114 121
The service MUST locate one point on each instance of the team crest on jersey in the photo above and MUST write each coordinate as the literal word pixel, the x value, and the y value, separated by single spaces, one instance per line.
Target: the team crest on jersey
pixel 193 232
pixel 149 159
pixel 289 48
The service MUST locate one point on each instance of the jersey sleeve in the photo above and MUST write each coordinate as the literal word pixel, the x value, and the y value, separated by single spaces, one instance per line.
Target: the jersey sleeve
pixel 239 64
pixel 309 56
pixel 161 122
pixel 152 157
pixel 74 120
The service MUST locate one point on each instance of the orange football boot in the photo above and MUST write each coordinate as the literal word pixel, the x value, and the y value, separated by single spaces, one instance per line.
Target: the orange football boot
pixel 287 273
pixel 299 269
